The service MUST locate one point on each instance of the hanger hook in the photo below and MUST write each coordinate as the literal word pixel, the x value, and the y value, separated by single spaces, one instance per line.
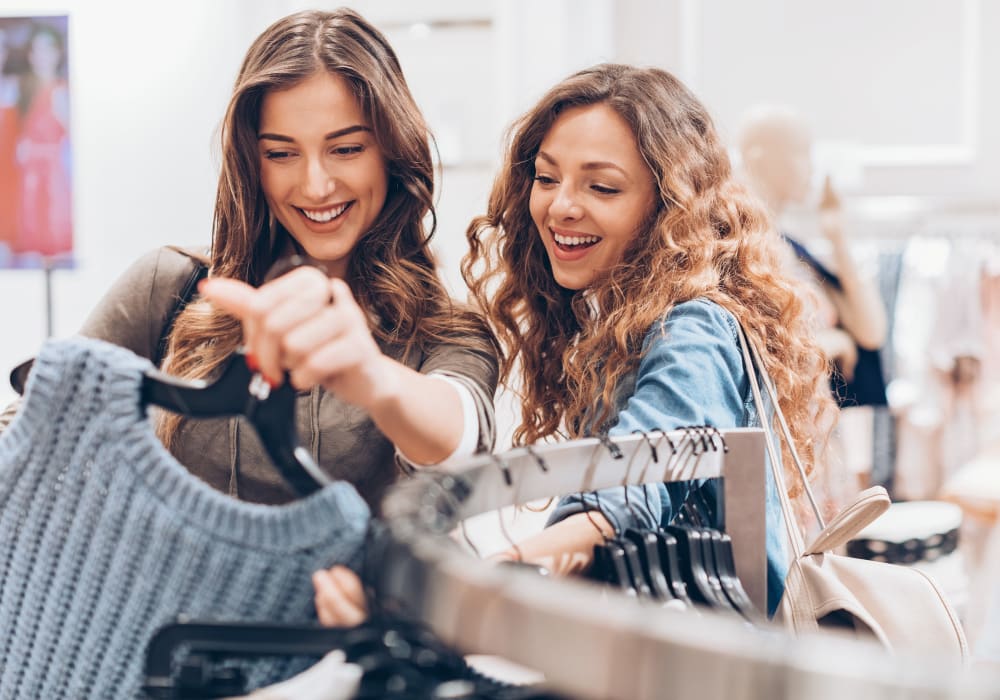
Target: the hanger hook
pixel 612 447
pixel 537 457
pixel 652 447
pixel 449 485
pixel 722 440
pixel 587 511
pixel 504 469
pixel 503 530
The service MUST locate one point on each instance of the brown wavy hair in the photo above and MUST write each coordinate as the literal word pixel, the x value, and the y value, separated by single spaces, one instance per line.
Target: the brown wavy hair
pixel 395 277
pixel 705 237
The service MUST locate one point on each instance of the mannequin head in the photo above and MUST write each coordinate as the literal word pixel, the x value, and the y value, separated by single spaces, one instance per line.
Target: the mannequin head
pixel 775 150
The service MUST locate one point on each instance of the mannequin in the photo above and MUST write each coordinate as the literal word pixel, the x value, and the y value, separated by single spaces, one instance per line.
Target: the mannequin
pixel 775 148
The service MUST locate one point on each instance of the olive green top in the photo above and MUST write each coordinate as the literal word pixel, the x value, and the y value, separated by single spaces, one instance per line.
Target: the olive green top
pixel 225 452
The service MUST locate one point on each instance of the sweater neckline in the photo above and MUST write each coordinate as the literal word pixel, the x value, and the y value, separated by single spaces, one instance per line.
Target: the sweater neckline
pixel 116 374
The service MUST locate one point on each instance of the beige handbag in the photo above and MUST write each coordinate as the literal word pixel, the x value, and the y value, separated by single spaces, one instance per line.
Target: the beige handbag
pixel 899 606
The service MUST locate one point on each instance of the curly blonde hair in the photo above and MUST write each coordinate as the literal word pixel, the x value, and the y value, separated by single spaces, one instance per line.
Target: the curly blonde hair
pixel 705 237
pixel 393 274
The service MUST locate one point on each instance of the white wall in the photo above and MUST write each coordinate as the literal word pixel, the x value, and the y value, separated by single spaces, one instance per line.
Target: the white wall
pixel 903 94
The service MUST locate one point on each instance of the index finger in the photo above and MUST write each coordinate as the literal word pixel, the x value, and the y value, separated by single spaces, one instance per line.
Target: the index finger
pixel 232 296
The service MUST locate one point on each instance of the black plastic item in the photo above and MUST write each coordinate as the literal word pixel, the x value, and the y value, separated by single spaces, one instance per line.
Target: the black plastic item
pixel 731 584
pixel 204 642
pixel 666 545
pixel 610 567
pixel 693 569
pixel 240 392
pixel 635 569
pixel 649 558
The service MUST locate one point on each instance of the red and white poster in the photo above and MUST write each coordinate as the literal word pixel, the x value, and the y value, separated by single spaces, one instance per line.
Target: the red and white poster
pixel 36 222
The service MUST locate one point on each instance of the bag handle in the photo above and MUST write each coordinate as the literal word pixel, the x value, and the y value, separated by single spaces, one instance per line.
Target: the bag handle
pixel 791 525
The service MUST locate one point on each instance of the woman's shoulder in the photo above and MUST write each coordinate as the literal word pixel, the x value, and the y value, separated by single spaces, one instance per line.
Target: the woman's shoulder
pixel 135 308
pixel 167 262
pixel 700 315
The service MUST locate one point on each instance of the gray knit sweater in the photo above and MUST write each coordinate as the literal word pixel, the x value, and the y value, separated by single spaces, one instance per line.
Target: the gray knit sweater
pixel 104 536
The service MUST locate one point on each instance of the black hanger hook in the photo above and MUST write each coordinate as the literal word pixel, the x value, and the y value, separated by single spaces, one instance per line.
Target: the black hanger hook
pixel 612 447
pixel 652 447
pixel 504 469
pixel 538 458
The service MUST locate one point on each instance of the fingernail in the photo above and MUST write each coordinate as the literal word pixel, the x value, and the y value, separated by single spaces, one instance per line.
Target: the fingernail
pixel 251 361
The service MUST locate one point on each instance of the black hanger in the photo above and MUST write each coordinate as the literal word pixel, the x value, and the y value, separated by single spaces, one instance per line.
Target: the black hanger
pixel 398 658
pixel 204 643
pixel 722 550
pixel 646 543
pixel 666 544
pixel 240 392
pixel 609 564
pixel 695 571
pixel 622 547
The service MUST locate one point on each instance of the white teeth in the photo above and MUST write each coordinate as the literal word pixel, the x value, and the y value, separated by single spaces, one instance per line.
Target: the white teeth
pixel 321 217
pixel 574 240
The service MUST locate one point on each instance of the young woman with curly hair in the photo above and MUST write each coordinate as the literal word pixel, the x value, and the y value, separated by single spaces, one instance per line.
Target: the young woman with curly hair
pixel 616 261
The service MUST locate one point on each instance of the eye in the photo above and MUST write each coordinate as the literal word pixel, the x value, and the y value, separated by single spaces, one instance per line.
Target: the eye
pixel 544 180
pixel 604 189
pixel 351 150
pixel 278 155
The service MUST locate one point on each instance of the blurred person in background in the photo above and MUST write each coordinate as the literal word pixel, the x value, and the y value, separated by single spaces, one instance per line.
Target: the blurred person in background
pixel 775 148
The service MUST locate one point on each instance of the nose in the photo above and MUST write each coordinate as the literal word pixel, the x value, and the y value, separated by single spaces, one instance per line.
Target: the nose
pixel 318 182
pixel 565 206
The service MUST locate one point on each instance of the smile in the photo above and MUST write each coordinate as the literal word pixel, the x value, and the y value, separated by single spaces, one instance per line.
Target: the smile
pixel 574 242
pixel 322 216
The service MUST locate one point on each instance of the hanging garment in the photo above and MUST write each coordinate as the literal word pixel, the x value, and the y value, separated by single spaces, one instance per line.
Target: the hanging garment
pixel 106 537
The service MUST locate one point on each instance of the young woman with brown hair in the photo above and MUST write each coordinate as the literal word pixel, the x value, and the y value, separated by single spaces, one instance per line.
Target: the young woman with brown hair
pixel 325 156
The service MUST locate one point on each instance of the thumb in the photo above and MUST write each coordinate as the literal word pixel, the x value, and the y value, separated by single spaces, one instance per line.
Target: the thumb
pixel 232 296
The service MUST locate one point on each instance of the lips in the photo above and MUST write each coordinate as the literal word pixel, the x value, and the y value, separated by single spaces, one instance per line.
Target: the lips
pixel 326 215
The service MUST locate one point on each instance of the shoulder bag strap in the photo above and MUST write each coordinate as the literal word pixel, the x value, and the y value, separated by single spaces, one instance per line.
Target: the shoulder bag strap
pixel 791 525
pixel 184 297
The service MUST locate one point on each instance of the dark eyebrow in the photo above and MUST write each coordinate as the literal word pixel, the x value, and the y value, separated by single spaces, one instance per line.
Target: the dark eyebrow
pixel 332 135
pixel 594 165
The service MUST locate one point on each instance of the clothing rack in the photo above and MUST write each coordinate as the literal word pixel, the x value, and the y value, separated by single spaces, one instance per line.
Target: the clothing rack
pixel 592 644
pixel 522 475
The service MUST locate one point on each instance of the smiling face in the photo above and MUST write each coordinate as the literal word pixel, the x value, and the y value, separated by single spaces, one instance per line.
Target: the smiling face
pixel 321 169
pixel 591 194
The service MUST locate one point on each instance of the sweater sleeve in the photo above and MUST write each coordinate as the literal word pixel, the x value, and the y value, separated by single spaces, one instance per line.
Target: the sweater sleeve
pixel 690 373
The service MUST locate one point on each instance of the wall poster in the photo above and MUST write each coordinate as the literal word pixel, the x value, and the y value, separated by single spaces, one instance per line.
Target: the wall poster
pixel 36 223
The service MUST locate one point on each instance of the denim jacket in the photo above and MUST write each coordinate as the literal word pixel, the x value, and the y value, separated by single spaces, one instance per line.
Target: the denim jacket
pixel 691 373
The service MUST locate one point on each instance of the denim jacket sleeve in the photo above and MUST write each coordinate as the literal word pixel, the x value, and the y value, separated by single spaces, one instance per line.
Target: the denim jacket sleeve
pixel 691 373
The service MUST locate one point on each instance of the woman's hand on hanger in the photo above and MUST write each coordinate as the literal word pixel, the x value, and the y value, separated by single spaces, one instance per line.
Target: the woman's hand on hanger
pixel 310 325
pixel 340 597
